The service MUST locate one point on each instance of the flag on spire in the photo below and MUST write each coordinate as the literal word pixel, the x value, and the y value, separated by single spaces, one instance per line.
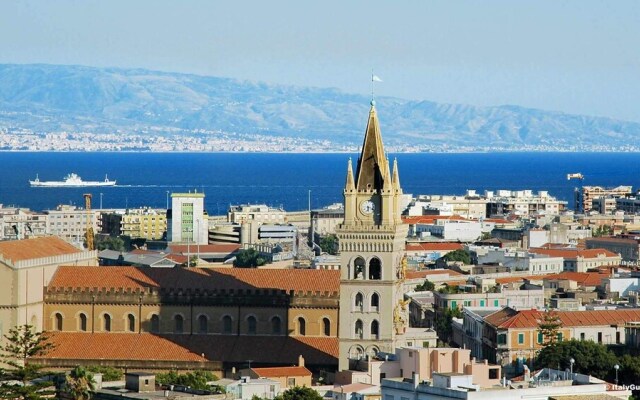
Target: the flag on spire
pixel 375 78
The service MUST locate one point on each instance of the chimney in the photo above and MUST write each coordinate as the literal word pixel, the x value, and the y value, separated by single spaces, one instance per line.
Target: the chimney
pixel 416 380
pixel 300 361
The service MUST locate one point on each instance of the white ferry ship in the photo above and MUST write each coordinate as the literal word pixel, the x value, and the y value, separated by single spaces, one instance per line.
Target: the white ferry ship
pixel 576 175
pixel 71 180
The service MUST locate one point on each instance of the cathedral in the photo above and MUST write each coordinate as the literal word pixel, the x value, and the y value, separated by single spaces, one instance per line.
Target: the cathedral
pixel 226 316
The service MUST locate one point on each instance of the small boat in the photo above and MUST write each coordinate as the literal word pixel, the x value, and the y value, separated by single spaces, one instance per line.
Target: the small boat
pixel 577 175
pixel 71 180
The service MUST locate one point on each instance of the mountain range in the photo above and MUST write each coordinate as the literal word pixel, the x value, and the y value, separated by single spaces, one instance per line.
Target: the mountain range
pixel 60 98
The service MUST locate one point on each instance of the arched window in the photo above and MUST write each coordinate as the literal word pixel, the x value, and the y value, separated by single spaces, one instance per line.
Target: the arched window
pixel 358 329
pixel 58 322
pixel 375 269
pixel 83 322
pixel 276 325
pixel 227 324
pixel 203 323
pixel 131 323
pixel 252 325
pixel 179 324
pixel 375 330
pixel 375 302
pixel 106 323
pixel 155 323
pixel 302 326
pixel 358 272
pixel 359 301
pixel 326 326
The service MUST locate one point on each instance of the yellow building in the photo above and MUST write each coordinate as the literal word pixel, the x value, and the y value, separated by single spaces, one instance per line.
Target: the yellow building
pixel 146 223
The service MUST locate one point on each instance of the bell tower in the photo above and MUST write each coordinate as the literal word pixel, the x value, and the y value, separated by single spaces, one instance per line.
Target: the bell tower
pixel 372 242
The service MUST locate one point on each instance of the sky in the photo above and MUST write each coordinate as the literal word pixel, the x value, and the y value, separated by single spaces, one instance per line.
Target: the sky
pixel 580 56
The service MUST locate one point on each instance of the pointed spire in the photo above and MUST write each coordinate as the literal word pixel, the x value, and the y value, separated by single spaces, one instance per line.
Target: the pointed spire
pixel 350 185
pixel 372 164
pixel 396 175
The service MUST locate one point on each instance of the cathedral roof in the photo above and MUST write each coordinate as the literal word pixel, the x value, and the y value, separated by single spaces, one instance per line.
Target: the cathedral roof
pixel 196 278
pixel 28 249
pixel 373 166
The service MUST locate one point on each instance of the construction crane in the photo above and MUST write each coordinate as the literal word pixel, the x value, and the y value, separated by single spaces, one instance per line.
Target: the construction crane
pixel 88 234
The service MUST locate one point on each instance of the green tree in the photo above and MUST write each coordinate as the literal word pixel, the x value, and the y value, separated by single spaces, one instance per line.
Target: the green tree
pixel 602 230
pixel 549 327
pixel 444 321
pixel 457 255
pixel 425 286
pixel 299 393
pixel 109 374
pixel 249 258
pixel 79 384
pixel 196 380
pixel 329 244
pixel 23 343
pixel 109 243
pixel 590 358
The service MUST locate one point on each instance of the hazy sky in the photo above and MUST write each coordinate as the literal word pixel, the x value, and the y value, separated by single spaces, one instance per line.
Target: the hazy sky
pixel 579 56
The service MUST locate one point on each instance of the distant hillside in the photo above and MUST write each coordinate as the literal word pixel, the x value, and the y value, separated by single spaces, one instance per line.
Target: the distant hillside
pixel 50 98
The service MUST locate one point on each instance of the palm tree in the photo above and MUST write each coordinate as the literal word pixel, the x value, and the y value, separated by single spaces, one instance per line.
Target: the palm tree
pixel 79 384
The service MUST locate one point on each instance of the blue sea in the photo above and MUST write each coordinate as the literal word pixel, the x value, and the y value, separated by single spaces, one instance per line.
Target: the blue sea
pixel 286 179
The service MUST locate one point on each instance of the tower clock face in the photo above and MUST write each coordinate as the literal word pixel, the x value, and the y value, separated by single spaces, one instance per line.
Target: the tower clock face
pixel 367 207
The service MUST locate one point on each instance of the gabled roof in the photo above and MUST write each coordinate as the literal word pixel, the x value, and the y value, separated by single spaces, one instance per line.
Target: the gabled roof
pixel 196 278
pixel 508 318
pixel 574 253
pixel 433 246
pixel 235 349
pixel 277 372
pixel 583 278
pixel 28 249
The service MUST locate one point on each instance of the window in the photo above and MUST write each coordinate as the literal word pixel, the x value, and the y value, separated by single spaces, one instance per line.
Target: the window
pixel 58 322
pixel 203 324
pixel 599 337
pixel 358 329
pixel 106 323
pixel 502 338
pixel 302 326
pixel 618 337
pixel 454 304
pixel 425 344
pixel 326 326
pixel 291 382
pixel 276 325
pixel 520 338
pixel 359 301
pixel 226 324
pixel 559 336
pixel 494 373
pixel 251 325
pixel 540 337
pixel 155 323
pixel 375 269
pixel 83 322
pixel 358 272
pixel 496 303
pixel 374 330
pixel 582 336
pixel 179 324
pixel 375 302
pixel 481 303
pixel 131 323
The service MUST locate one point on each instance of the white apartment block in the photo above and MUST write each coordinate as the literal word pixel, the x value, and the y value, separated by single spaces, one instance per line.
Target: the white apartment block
pixel 188 222
pixel 260 213
pixel 520 260
pixel 453 230
pixel 70 223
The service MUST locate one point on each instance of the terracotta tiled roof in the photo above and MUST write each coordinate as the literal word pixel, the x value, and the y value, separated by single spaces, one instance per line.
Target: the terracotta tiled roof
pixel 583 278
pixel 509 318
pixel 433 246
pixel 27 249
pixel 509 279
pixel 204 248
pixel 574 253
pixel 275 372
pixel 194 278
pixel 117 346
pixel 266 350
pixel 429 272
pixel 430 219
pixel 498 220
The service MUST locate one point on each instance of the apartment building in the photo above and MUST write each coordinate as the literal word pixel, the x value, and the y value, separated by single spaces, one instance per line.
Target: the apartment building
pixel 586 194
pixel 578 260
pixel 70 223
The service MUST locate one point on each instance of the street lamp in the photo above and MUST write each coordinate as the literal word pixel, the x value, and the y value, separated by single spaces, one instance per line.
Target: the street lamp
pixel 616 367
pixel 572 361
